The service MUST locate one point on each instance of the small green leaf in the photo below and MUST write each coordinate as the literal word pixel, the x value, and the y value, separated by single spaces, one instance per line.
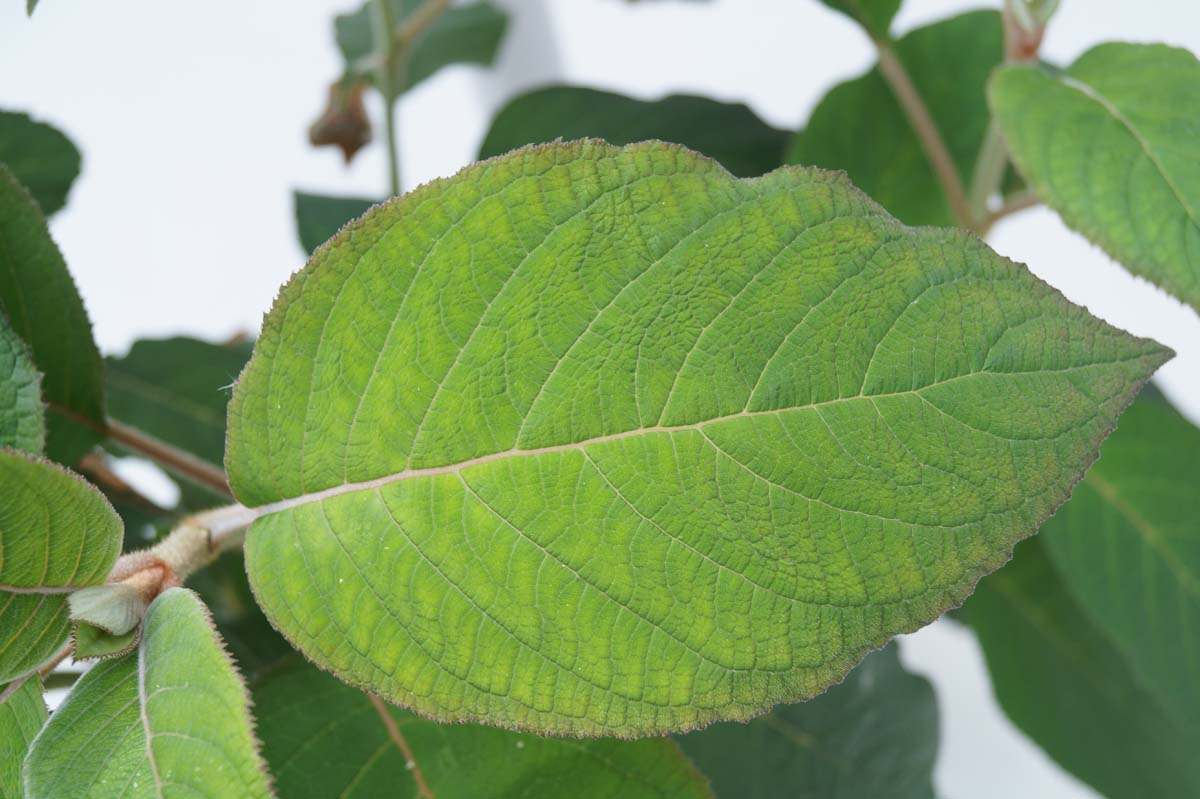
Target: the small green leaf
pixel 43 160
pixel 22 715
pixel 368 749
pixel 176 390
pixel 464 34
pixel 860 127
pixel 603 440
pixel 730 133
pixel 875 734
pixel 170 721
pixel 22 418
pixel 94 643
pixel 1069 689
pixel 874 15
pixel 1113 144
pixel 57 534
pixel 43 307
pixel 319 217
pixel 1127 546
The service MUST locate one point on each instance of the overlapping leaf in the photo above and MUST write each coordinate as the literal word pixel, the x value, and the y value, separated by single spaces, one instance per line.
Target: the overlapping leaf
pixel 605 441
pixel 318 217
pixel 22 420
pixel 43 307
pixel 731 133
pixel 1060 679
pixel 875 734
pixel 43 160
pixel 57 533
pixel 874 15
pixel 860 127
pixel 168 722
pixel 323 738
pixel 22 714
pixel 1113 144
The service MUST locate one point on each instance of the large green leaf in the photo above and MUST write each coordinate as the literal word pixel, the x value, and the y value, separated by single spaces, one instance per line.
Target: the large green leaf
pixel 318 217
pixel 176 390
pixel 874 15
pixel 43 160
pixel 874 735
pixel 464 34
pixel 323 738
pixel 43 307
pixel 1113 144
pixel 57 533
pixel 1062 682
pixel 860 127
pixel 606 441
pixel 170 721
pixel 728 132
pixel 21 716
pixel 1128 547
pixel 22 420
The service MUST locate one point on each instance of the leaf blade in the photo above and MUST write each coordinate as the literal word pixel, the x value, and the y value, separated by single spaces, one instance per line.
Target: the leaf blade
pixel 22 417
pixel 22 714
pixel 41 157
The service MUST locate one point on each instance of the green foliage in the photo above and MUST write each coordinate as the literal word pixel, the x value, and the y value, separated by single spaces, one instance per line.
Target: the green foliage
pixel 176 390
pixel 21 716
pixel 728 132
pixel 664 448
pixel 43 160
pixel 323 738
pixel 57 533
pixel 39 298
pixel 319 217
pixel 860 127
pixel 873 735
pixel 1113 144
pixel 1063 682
pixel 22 421
pixel 170 721
pixel 465 34
pixel 1127 546
pixel 874 15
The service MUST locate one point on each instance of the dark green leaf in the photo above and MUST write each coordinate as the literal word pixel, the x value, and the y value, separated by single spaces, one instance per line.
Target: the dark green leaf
pixel 1127 545
pixel 1113 144
pixel 323 738
pixel 874 735
pixel 860 127
pixel 464 34
pixel 22 417
pixel 730 133
pixel 874 15
pixel 44 160
pixel 1064 683
pixel 22 715
pixel 39 298
pixel 319 217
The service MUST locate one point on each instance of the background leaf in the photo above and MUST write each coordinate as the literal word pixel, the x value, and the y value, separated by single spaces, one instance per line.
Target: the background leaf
pixel 22 420
pixel 874 15
pixel 170 721
pixel 875 734
pixel 324 738
pixel 41 157
pixel 464 34
pixel 1127 546
pixel 56 533
pixel 860 127
pixel 541 468
pixel 728 132
pixel 319 217
pixel 43 307
pixel 21 716
pixel 1066 686
pixel 1113 144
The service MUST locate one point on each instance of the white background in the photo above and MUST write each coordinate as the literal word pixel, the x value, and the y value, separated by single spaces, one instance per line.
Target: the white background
pixel 192 119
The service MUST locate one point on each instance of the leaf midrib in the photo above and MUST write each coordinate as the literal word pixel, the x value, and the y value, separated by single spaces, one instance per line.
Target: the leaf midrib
pixel 374 484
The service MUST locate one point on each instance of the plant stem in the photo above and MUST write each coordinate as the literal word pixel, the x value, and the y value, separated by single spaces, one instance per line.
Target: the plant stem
pixel 926 131
pixel 1017 202
pixel 383 27
pixel 418 21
